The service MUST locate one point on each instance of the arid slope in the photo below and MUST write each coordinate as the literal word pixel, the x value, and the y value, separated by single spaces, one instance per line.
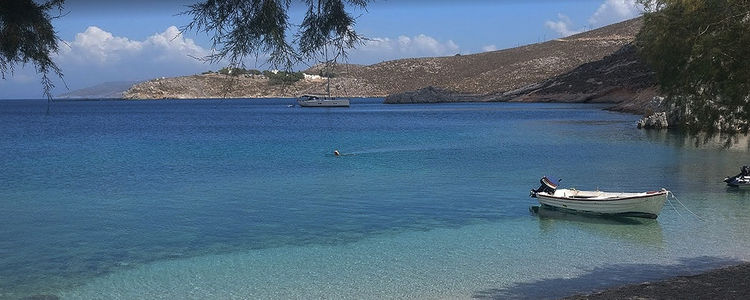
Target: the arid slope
pixel 493 72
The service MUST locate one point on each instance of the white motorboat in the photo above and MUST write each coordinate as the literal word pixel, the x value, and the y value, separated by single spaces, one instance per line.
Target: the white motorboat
pixel 645 204
pixel 741 180
pixel 322 101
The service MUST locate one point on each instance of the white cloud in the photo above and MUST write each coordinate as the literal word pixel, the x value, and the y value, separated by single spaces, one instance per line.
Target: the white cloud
pixel 489 48
pixel 562 26
pixel 612 11
pixel 96 55
pixel 380 49
pixel 98 47
pixel 171 43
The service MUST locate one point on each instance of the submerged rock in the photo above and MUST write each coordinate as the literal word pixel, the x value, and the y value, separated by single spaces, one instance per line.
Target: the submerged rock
pixel 654 121
pixel 41 297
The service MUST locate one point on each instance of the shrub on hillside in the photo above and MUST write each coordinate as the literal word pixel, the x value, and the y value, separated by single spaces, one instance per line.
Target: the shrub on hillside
pixel 238 71
pixel 282 77
pixel 328 74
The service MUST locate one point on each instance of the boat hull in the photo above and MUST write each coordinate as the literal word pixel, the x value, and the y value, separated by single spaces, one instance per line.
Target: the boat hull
pixel 738 181
pixel 647 205
pixel 324 103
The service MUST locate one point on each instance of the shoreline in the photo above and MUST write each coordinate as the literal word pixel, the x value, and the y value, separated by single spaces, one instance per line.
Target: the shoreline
pixel 614 107
pixel 731 282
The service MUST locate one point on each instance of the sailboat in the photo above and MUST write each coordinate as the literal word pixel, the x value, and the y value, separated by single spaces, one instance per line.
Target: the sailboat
pixel 327 100
pixel 322 101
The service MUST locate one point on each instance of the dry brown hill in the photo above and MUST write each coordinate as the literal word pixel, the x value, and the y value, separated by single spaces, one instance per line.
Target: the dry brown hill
pixel 252 86
pixel 502 70
pixel 483 73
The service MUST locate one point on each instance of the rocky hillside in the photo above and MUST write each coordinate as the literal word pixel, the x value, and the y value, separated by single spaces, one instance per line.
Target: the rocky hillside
pixel 493 72
pixel 621 77
pixel 251 86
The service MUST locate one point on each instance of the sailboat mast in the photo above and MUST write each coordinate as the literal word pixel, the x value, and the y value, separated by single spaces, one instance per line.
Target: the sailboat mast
pixel 327 67
pixel 328 70
pixel 328 84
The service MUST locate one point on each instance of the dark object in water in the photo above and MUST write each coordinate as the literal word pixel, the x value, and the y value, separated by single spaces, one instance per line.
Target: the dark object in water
pixel 41 297
pixel 740 180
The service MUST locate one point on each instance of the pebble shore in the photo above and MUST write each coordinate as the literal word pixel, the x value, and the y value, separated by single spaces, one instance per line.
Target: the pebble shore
pixel 725 283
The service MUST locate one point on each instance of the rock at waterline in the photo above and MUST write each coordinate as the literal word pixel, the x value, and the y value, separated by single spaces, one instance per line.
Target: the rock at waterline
pixel 431 94
pixel 654 121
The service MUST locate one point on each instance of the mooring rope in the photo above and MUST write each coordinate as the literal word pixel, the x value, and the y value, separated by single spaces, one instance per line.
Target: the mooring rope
pixel 683 205
pixel 675 208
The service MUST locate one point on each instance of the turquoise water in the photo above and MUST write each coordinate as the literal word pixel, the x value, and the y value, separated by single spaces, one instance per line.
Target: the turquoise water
pixel 243 199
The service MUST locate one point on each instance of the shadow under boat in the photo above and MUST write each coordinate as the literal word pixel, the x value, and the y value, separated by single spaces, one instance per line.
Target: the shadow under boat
pixel 641 231
pixel 544 211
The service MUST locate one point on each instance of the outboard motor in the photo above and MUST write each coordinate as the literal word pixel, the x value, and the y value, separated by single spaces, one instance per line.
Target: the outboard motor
pixel 548 186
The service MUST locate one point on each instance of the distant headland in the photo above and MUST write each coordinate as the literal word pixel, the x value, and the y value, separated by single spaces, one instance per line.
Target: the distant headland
pixel 600 65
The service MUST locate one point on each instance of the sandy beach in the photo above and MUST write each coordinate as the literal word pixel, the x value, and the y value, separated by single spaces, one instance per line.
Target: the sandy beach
pixel 725 283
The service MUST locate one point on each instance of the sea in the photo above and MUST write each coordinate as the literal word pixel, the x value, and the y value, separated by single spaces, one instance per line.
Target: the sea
pixel 244 199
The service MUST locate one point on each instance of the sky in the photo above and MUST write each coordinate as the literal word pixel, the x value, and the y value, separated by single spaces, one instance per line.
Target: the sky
pixel 106 41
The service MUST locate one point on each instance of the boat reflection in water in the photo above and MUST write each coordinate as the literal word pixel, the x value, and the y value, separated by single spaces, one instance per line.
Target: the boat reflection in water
pixel 647 232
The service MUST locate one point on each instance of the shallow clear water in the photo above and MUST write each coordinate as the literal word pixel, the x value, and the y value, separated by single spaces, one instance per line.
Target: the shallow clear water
pixel 242 199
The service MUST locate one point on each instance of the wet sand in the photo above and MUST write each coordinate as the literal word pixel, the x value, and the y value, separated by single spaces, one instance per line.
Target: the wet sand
pixel 725 283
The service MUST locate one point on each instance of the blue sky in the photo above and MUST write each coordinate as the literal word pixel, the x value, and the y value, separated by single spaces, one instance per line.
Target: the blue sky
pixel 139 39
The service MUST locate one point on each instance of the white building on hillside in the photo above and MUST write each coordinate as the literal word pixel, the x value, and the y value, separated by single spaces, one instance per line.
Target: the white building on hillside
pixel 312 77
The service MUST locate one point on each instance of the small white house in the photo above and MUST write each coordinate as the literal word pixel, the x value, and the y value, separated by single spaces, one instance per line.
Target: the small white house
pixel 312 77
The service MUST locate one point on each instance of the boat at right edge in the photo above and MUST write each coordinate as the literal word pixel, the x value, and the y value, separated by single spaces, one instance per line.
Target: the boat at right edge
pixel 644 204
pixel 741 180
